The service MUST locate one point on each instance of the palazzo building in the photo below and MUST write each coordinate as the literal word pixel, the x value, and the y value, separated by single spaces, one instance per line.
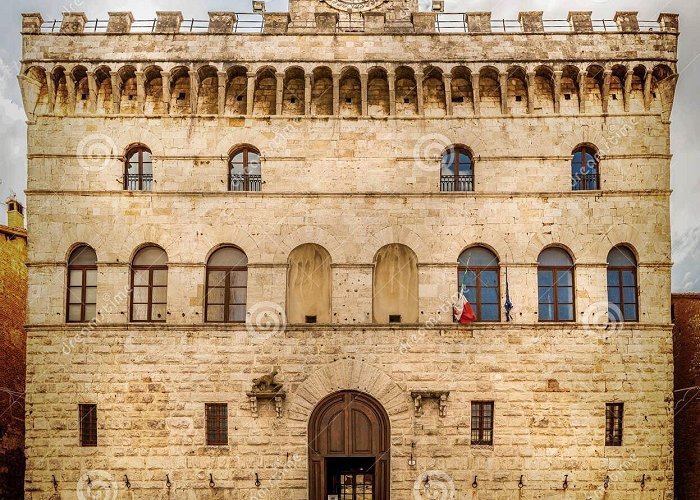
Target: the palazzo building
pixel 248 233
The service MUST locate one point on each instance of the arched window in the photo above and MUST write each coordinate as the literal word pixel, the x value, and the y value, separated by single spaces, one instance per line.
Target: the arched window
pixel 245 173
pixel 82 285
pixel 555 280
pixel 622 285
pixel 138 173
pixel 227 282
pixel 478 272
pixel 149 284
pixel 457 170
pixel 585 174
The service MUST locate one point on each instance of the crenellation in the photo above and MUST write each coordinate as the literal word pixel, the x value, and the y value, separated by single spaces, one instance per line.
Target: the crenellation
pixel 168 22
pixel 581 21
pixel 478 22
pixel 120 22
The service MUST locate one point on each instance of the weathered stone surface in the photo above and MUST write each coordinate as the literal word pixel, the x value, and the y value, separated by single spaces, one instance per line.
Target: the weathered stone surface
pixel 120 22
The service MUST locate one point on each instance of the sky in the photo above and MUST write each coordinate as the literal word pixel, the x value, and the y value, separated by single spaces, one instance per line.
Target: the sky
pixel 685 171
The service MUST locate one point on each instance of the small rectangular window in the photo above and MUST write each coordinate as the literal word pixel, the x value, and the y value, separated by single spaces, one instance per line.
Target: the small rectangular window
pixel 394 318
pixel 406 100
pixel 567 97
pixel 88 424
pixel 613 424
pixel 482 422
pixel 217 423
pixel 310 319
pixel 614 97
pixel 239 98
pixel 348 100
pixel 458 99
pixel 518 98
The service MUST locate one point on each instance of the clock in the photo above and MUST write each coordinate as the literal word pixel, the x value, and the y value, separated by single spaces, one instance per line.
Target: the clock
pixel 354 5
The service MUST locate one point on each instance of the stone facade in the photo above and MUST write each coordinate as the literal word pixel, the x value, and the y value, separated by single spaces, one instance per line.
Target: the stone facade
pixel 686 358
pixel 13 338
pixel 351 126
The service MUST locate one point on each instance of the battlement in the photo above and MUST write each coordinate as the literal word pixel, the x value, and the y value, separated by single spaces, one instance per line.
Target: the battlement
pixel 224 23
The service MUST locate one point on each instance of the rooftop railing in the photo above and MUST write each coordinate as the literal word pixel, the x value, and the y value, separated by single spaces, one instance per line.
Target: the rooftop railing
pixel 456 23
pixel 245 23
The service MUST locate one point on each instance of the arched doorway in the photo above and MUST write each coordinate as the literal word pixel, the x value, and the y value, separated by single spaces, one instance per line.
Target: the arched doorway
pixel 349 440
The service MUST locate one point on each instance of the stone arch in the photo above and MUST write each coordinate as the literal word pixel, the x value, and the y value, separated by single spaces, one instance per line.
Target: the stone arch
pixel 663 88
pixel 624 234
pixel 208 95
pixel 563 237
pixel 62 99
pixel 377 92
pixel 348 374
pixel 396 234
pixel 489 91
pixel 322 91
pixel 595 74
pixel 236 91
pixel 433 92
pixel 153 83
pixel 543 93
pixel 570 93
pixel 129 103
pixel 82 89
pixel 395 285
pixel 350 92
pixel 616 93
pixel 293 99
pixel 406 94
pixel 636 95
pixel 265 95
pixel 517 90
pixel 309 284
pixel 180 91
pixel 462 92
pixel 36 91
pixel 105 103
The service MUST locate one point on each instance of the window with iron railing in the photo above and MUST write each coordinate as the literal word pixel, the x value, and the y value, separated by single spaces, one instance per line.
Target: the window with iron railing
pixel 245 173
pixel 138 171
pixel 217 423
pixel 456 170
pixel 613 424
pixel 585 175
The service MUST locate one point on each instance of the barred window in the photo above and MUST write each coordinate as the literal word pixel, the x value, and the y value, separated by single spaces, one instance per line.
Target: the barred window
pixel 217 423
pixel 138 169
pixel 457 170
pixel 613 424
pixel 88 424
pixel 482 422
pixel 245 173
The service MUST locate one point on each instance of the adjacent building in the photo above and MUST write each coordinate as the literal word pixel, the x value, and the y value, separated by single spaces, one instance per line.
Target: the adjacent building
pixel 13 338
pixel 249 235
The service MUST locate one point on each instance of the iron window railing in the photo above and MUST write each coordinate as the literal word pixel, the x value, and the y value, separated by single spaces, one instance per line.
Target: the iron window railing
pixel 585 182
pixel 138 182
pixel 450 183
pixel 245 182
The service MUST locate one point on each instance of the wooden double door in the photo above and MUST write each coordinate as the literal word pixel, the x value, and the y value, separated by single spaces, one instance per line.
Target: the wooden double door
pixel 349 439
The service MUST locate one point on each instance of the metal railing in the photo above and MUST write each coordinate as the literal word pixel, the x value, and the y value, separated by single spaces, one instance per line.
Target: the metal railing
pixel 456 23
pixel 246 23
pixel 245 182
pixel 463 183
pixel 585 182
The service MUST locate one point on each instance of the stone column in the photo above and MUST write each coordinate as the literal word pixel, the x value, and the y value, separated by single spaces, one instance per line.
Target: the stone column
pixel 336 94
pixel 120 22
pixel 503 77
pixel 363 86
pixel 116 92
pixel 92 92
pixel 557 91
pixel 73 22
pixel 165 75
pixel 447 82
pixel 168 21
pixel 279 93
pixel 476 91
pixel 250 93
pixel 626 21
pixel 222 76
pixel 581 21
pixel 391 80
pixel 531 92
pixel 647 90
pixel 141 90
pixel 70 85
pixel 478 22
pixel 582 84
pixel 31 22
pixel 222 22
pixel 605 91
pixel 194 91
pixel 307 93
pixel 51 86
pixel 627 89
pixel 668 22
pixel 531 21
pixel 419 95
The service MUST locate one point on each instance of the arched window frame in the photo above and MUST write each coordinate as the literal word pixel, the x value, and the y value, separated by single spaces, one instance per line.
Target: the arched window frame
pixel 150 286
pixel 558 281
pixel 143 179
pixel 582 180
pixel 475 287
pixel 246 181
pixel 618 279
pixel 84 278
pixel 227 303
pixel 462 178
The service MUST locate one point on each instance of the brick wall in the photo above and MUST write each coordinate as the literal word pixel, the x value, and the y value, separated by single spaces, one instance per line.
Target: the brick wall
pixel 686 355
pixel 13 306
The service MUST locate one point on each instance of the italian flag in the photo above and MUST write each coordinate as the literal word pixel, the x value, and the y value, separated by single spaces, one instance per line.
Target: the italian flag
pixel 463 312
